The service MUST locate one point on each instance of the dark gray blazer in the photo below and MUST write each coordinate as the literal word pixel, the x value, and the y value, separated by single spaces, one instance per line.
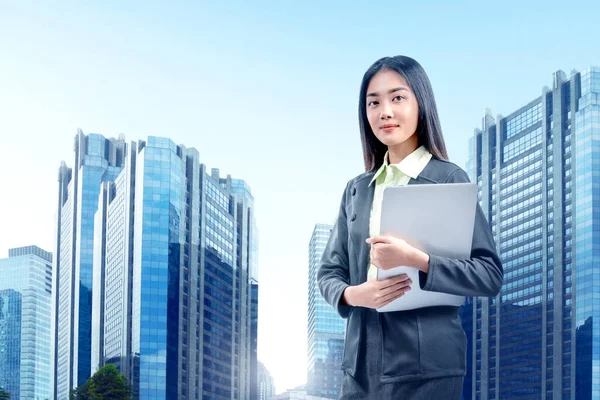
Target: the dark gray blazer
pixel 417 344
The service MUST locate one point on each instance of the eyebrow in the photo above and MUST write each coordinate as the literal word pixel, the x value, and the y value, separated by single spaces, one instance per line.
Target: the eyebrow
pixel 374 94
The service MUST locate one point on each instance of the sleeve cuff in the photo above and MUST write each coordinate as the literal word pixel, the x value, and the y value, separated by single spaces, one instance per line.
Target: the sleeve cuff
pixel 426 278
pixel 343 310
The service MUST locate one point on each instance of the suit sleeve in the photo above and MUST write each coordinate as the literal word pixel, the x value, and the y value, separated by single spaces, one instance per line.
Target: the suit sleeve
pixel 480 275
pixel 333 275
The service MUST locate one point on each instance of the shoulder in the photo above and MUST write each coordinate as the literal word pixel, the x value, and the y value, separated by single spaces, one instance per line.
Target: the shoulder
pixel 442 171
pixel 358 184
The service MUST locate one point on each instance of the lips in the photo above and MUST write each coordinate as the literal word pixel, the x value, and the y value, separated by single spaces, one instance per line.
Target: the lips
pixel 389 127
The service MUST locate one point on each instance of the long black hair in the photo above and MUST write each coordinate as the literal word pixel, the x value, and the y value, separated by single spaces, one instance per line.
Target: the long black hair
pixel 429 131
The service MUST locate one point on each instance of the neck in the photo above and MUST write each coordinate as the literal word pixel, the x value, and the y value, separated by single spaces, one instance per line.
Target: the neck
pixel 399 152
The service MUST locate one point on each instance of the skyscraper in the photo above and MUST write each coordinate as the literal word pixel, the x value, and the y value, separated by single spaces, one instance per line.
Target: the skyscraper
pixel 25 297
pixel 266 384
pixel 97 160
pixel 538 176
pixel 326 328
pixel 173 261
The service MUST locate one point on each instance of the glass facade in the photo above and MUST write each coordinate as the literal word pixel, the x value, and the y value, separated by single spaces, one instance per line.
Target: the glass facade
pixel 11 305
pixel 326 329
pixel 97 159
pixel 536 340
pixel 25 297
pixel 155 305
pixel 520 239
pixel 586 249
pixel 246 284
pixel 220 298
pixel 246 361
pixel 113 265
pixel 116 269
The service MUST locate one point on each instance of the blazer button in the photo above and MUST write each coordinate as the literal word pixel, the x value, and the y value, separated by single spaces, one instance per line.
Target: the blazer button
pixel 353 191
pixel 353 217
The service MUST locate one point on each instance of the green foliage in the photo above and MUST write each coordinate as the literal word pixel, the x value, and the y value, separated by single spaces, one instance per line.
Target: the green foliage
pixel 107 383
pixel 4 395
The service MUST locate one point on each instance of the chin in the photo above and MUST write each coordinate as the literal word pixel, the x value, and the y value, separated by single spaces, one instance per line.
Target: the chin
pixel 392 141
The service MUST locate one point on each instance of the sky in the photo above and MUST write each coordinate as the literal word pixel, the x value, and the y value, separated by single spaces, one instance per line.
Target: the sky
pixel 266 92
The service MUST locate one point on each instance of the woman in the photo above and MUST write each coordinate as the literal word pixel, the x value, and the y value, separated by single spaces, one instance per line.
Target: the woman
pixel 415 354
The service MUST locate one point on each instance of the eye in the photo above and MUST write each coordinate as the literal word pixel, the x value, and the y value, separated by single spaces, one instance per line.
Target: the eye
pixel 398 98
pixel 372 103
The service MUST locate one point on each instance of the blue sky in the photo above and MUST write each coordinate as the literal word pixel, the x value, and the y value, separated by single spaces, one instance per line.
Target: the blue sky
pixel 267 92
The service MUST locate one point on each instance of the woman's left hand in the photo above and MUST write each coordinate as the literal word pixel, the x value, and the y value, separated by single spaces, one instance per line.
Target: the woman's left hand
pixel 389 252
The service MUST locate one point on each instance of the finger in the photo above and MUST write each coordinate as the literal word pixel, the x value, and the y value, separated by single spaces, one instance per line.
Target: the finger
pixel 393 296
pixel 374 259
pixel 379 239
pixel 402 278
pixel 395 287
pixel 392 281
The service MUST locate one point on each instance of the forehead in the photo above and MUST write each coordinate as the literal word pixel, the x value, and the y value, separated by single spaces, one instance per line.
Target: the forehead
pixel 386 79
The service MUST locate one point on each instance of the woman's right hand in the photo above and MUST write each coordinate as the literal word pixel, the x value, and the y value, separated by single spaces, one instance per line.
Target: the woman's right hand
pixel 376 294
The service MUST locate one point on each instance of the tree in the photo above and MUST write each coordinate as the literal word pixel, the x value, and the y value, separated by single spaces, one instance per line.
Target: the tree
pixel 106 383
pixel 4 395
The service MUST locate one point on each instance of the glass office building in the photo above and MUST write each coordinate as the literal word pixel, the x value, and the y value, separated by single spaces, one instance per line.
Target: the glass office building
pixel 97 159
pixel 538 175
pixel 173 254
pixel 266 384
pixel 326 329
pixel 25 297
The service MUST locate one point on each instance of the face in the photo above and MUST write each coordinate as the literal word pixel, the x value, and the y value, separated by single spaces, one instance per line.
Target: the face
pixel 392 110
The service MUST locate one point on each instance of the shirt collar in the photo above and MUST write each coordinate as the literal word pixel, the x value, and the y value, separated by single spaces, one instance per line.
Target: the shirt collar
pixel 412 165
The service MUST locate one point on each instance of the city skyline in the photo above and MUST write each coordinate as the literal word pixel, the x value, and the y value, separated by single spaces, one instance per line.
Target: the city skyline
pixel 486 120
pixel 187 72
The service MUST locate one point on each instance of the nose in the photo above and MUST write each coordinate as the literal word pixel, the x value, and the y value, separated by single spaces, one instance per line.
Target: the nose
pixel 386 111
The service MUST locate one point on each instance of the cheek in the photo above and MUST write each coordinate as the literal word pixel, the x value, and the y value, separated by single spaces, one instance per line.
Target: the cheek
pixel 373 120
pixel 410 115
pixel 414 114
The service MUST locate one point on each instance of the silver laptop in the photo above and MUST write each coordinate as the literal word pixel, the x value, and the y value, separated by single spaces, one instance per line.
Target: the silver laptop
pixel 438 219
